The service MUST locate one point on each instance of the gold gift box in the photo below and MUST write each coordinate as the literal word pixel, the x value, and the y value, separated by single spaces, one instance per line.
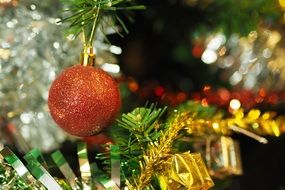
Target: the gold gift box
pixel 185 171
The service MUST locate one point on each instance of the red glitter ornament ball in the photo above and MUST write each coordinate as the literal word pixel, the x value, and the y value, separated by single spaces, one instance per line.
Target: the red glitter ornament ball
pixel 83 100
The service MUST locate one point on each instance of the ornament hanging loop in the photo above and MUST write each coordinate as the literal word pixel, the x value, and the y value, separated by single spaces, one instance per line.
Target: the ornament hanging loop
pixel 87 56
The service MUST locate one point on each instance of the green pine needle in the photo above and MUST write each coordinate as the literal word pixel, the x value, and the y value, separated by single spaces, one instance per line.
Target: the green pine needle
pixel 82 14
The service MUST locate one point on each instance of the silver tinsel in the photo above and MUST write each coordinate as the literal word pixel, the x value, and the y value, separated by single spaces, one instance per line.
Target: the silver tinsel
pixel 33 50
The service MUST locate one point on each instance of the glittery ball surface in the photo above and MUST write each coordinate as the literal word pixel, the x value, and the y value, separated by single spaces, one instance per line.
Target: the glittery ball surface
pixel 83 100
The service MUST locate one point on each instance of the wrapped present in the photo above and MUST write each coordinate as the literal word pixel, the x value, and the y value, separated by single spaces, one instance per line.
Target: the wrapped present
pixel 223 157
pixel 185 171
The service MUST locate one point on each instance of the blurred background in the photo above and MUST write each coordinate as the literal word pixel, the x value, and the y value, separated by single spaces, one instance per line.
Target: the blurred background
pixel 210 51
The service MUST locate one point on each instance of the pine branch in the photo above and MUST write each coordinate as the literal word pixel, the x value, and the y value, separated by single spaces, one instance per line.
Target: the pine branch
pixel 134 132
pixel 85 14
pixel 143 123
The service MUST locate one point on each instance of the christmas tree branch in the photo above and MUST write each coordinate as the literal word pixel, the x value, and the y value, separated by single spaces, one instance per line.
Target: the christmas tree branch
pixel 86 13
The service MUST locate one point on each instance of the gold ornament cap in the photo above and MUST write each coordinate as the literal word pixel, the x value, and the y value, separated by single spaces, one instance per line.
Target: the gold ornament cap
pixel 87 56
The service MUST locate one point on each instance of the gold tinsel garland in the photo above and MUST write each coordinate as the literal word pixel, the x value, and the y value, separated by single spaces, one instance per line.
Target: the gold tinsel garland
pixel 252 124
